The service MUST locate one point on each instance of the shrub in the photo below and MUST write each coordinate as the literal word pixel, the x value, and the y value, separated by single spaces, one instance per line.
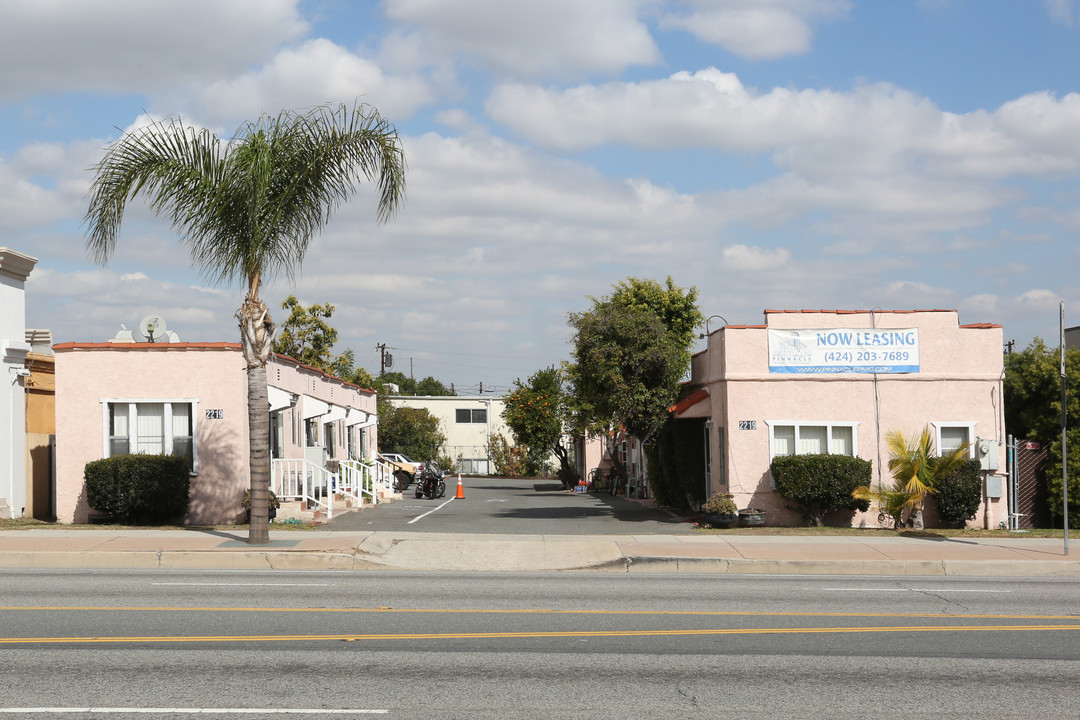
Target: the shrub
pixel 147 489
pixel 271 500
pixel 818 484
pixel 720 504
pixel 509 460
pixel 959 494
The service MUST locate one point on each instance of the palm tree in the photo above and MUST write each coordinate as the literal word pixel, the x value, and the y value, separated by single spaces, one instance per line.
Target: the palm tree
pixel 247 209
pixel 916 469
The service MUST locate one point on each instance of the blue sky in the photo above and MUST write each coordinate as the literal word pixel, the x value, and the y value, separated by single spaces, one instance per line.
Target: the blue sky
pixel 780 154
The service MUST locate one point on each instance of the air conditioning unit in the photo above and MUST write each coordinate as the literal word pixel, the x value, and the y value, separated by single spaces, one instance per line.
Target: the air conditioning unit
pixel 987 453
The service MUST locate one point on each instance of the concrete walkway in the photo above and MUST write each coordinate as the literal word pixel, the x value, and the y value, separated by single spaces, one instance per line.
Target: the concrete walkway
pixel 699 553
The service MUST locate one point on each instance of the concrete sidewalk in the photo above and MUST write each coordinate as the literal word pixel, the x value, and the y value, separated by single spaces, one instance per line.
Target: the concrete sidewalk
pixel 721 553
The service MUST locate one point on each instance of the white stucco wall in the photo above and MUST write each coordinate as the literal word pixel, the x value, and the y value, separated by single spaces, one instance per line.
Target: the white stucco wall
pixel 466 440
pixel 15 268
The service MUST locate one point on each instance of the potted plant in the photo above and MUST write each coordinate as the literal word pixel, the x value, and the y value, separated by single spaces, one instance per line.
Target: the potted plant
pixel 720 511
pixel 752 516
pixel 272 501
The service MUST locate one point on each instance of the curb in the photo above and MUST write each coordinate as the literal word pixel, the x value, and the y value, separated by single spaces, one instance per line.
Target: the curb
pixel 954 568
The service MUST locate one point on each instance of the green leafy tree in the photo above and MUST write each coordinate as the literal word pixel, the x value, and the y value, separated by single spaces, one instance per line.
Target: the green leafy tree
pixel 536 413
pixel 413 432
pixel 405 384
pixel 630 351
pixel 306 336
pixel 676 308
pixel 247 210
pixel 431 387
pixel 1032 390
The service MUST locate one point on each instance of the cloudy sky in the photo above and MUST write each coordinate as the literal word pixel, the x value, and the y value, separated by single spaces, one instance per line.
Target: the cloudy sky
pixel 780 154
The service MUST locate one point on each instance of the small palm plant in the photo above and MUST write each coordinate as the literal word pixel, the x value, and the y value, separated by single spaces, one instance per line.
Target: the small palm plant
pixel 916 469
pixel 891 502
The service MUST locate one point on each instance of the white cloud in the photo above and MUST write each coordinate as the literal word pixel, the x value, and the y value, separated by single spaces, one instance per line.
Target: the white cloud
pixel 531 38
pixel 742 257
pixel 1061 11
pixel 756 29
pixel 44 184
pixel 316 72
pixel 1040 297
pixel 133 45
pixel 873 129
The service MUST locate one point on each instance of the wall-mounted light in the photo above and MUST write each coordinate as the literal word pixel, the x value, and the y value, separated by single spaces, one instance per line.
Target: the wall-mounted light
pixel 706 333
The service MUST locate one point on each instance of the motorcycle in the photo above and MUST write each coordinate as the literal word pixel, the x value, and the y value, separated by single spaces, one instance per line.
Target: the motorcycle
pixel 432 483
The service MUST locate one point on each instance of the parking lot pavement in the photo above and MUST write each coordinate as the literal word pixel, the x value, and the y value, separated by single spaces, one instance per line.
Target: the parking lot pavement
pixel 527 506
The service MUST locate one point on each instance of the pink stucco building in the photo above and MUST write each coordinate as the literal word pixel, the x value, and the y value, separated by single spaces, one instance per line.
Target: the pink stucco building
pixel 191 399
pixel 838 382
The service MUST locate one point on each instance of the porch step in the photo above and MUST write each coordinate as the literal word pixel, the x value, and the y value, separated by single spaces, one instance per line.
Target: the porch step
pixel 296 509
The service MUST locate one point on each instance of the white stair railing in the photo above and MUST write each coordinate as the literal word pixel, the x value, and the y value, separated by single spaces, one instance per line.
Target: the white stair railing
pixel 298 479
pixel 357 481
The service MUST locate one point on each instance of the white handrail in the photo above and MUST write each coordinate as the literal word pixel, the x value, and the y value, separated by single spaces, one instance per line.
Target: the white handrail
pixel 357 481
pixel 298 479
pixel 302 480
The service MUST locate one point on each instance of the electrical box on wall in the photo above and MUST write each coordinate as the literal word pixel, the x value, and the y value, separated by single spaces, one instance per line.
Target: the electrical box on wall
pixel 994 487
pixel 987 453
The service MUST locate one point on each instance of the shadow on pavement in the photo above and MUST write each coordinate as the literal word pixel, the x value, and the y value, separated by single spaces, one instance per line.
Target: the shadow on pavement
pixel 217 533
pixel 927 535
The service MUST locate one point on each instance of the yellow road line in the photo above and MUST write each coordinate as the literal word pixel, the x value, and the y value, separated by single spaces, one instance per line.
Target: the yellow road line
pixel 535 611
pixel 536 635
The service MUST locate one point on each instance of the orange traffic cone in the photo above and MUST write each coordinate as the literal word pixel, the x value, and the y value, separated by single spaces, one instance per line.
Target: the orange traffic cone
pixel 460 489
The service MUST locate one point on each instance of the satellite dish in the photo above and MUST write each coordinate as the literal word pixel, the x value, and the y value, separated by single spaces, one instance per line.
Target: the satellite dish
pixel 388 361
pixel 152 328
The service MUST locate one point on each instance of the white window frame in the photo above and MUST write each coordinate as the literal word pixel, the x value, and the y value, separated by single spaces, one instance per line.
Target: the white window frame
pixel 133 414
pixel 969 426
pixel 827 424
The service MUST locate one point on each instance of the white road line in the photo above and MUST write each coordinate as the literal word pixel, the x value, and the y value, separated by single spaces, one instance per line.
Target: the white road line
pixel 207 584
pixel 421 517
pixel 189 711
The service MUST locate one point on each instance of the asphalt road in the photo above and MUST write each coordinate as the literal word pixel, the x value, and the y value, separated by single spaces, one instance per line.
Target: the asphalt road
pixel 512 505
pixel 408 645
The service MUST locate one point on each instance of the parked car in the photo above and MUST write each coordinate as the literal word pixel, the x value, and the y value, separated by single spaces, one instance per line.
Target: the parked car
pixel 405 470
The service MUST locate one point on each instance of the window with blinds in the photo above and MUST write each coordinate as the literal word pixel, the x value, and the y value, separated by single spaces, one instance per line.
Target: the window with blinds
pixel 154 428
pixel 813 439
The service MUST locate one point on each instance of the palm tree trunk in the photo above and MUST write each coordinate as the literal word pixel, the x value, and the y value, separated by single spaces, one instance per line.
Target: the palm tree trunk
pixel 917 518
pixel 257 335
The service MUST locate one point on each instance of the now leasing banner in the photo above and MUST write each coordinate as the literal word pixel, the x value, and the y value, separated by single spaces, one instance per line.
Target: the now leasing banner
pixel 805 352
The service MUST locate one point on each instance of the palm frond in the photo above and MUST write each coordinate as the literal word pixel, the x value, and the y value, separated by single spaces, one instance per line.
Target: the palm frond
pixel 250 208
pixel 177 167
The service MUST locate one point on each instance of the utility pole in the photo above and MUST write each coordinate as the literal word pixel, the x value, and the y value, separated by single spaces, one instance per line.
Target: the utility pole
pixel 1064 423
pixel 386 360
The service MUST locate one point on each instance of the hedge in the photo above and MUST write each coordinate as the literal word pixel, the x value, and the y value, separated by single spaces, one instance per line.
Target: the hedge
pixel 819 484
pixel 139 489
pixel 959 494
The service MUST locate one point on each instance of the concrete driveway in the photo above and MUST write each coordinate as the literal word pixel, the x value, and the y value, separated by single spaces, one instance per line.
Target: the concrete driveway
pixel 530 506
